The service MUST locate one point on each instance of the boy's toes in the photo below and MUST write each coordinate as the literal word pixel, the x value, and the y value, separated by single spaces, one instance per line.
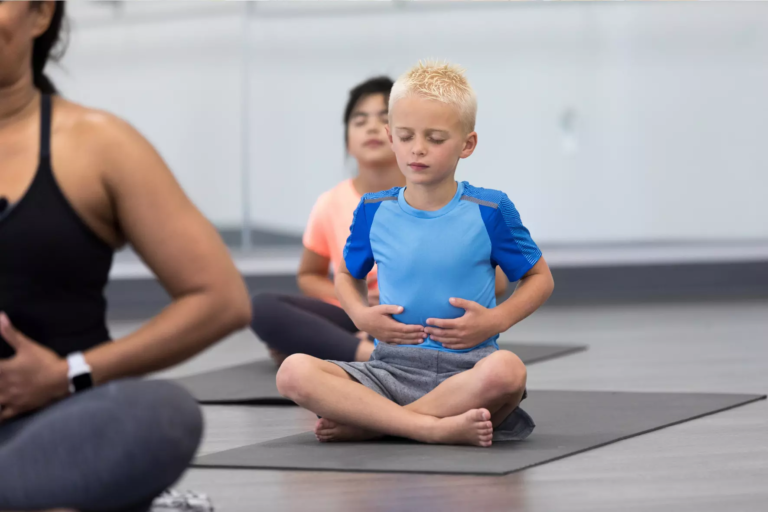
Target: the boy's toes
pixel 324 424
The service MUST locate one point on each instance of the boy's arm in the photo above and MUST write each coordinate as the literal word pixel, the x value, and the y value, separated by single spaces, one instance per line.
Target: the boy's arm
pixel 375 320
pixel 352 292
pixel 480 323
pixel 532 291
pixel 512 249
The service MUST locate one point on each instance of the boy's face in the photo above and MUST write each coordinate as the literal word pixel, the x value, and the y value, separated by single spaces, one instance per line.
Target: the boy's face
pixel 428 139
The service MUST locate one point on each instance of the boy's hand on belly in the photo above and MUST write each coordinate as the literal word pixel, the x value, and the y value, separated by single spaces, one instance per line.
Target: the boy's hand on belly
pixel 469 330
pixel 377 321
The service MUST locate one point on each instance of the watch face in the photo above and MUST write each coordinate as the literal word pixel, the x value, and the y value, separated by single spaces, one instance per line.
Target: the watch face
pixel 81 382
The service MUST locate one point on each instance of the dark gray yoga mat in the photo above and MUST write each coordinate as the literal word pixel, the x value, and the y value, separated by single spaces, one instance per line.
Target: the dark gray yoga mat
pixel 568 422
pixel 254 383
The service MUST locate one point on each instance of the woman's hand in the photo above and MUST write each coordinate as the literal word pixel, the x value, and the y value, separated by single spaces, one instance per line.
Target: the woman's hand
pixel 34 377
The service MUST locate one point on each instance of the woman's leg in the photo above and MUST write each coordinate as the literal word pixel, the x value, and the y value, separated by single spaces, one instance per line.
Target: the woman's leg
pixel 111 448
pixel 303 325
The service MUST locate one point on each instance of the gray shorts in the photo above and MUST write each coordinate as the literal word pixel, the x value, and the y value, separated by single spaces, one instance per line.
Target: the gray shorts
pixel 404 374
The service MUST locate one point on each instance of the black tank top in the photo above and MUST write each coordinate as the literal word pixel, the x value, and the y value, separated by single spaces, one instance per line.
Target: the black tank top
pixel 53 268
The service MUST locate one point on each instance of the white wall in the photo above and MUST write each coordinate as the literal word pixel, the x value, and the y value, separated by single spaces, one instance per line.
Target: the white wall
pixel 668 103
pixel 174 71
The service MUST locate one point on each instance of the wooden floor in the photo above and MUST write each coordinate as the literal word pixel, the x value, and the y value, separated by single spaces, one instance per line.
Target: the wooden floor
pixel 718 463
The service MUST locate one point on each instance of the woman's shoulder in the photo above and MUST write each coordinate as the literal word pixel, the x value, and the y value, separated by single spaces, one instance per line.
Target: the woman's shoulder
pixel 93 129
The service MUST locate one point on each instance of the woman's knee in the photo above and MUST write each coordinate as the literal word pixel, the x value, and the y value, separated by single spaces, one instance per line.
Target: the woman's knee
pixel 292 376
pixel 139 439
pixel 503 374
pixel 164 422
pixel 187 422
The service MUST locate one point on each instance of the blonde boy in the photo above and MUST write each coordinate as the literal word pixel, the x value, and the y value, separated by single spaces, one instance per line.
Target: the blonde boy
pixel 437 374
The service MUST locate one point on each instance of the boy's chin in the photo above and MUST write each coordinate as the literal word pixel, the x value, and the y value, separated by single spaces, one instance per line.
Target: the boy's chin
pixel 416 178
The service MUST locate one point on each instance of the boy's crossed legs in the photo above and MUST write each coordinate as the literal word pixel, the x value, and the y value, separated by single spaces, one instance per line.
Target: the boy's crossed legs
pixel 463 409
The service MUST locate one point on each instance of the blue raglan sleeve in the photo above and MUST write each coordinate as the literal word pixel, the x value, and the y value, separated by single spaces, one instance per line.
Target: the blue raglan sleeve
pixel 512 247
pixel 358 254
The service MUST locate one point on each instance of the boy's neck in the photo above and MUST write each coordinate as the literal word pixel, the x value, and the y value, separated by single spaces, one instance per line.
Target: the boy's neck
pixel 430 197
pixel 376 179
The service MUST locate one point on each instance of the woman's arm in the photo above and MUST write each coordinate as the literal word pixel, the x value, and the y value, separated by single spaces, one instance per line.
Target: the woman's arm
pixel 313 278
pixel 179 245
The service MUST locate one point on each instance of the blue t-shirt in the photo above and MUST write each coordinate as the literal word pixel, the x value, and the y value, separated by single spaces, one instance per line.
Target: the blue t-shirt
pixel 426 257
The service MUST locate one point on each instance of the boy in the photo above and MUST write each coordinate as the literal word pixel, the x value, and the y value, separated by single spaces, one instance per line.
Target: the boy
pixel 436 375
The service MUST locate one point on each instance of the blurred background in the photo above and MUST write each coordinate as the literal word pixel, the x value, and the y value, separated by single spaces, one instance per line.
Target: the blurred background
pixel 631 136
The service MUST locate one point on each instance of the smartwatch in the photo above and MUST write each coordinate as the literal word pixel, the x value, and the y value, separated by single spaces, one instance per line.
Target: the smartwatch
pixel 79 373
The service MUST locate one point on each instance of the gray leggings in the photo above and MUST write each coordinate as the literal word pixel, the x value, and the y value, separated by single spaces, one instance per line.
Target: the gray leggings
pixel 111 448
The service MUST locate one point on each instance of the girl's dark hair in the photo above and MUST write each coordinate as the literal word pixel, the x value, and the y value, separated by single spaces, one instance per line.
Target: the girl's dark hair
pixel 44 45
pixel 378 85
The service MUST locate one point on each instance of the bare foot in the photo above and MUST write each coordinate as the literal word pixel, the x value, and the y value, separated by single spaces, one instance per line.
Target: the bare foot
pixel 474 427
pixel 328 431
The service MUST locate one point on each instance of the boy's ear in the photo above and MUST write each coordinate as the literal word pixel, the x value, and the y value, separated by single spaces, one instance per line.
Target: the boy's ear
pixel 470 143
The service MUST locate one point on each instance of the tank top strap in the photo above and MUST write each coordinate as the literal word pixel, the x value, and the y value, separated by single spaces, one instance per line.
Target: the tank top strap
pixel 45 130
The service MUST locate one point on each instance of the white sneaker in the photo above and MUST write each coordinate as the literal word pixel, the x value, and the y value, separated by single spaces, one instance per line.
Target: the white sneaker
pixel 187 501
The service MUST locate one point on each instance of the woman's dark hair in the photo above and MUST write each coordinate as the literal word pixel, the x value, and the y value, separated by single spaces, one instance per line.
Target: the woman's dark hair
pixel 44 45
pixel 378 85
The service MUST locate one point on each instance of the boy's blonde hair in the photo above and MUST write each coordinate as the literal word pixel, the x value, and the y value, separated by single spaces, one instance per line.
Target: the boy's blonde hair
pixel 439 81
